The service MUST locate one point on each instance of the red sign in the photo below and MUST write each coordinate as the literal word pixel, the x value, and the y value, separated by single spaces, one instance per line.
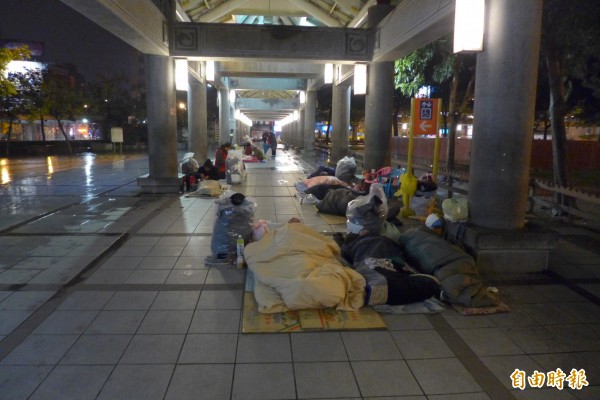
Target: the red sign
pixel 424 116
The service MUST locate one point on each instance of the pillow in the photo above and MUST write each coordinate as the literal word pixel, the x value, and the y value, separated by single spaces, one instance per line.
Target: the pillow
pixel 319 180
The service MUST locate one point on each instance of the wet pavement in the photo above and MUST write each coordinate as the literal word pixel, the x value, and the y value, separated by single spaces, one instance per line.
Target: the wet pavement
pixel 104 294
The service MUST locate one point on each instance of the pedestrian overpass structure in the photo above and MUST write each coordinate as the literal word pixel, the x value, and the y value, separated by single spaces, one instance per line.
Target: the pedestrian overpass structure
pixel 267 58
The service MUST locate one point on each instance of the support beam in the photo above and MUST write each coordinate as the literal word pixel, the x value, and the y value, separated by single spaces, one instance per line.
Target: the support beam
pixel 267 83
pixel 504 114
pixel 226 7
pixel 361 16
pixel 197 115
pixel 162 127
pixel 412 25
pixel 223 115
pixel 267 42
pixel 340 122
pixel 316 13
pixel 138 23
pixel 267 104
pixel 309 120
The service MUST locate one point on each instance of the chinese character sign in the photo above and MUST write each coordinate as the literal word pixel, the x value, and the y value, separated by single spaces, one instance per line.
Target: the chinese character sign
pixel 575 380
pixel 425 116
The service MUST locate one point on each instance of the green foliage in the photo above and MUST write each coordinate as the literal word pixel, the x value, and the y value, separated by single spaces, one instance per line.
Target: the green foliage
pixel 20 101
pixel 62 97
pixel 112 100
pixel 429 65
pixel 573 27
pixel 7 87
pixel 571 40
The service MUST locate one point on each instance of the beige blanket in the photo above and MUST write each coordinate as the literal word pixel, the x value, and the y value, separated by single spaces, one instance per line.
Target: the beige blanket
pixel 295 267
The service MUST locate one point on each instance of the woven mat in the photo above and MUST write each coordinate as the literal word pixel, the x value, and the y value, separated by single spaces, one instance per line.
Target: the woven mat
pixel 310 320
pixel 333 219
pixel 499 308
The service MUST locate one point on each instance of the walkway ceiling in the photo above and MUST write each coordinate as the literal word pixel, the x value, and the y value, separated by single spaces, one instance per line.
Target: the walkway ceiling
pixel 340 14
pixel 143 25
pixel 307 13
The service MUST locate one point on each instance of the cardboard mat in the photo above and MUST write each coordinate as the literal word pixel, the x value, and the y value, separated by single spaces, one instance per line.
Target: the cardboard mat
pixel 310 320
pixel 333 219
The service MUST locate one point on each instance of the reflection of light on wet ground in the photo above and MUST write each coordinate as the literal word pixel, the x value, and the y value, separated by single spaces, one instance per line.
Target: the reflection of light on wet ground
pixel 50 165
pixel 4 171
pixel 89 161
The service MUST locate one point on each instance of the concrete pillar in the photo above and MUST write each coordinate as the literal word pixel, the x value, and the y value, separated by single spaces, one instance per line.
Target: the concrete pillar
pixel 162 127
pixel 301 118
pixel 504 113
pixel 296 130
pixel 292 130
pixel 197 115
pixel 379 102
pixel 223 115
pixel 309 120
pixel 340 121
pixel 232 124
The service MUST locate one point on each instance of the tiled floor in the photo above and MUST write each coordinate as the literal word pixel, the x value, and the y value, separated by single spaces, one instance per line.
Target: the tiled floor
pixel 104 294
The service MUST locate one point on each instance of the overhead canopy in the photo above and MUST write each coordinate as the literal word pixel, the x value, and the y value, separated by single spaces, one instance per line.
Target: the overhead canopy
pixel 145 27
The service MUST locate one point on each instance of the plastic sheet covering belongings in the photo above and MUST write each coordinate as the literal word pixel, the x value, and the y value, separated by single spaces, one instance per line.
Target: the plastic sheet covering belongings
pixel 455 209
pixel 188 164
pixel 235 217
pixel 236 170
pixel 368 212
pixel 345 169
pixel 209 188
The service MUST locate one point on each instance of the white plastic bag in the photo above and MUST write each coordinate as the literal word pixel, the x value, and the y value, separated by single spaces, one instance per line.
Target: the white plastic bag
pixel 455 209
pixel 369 211
pixel 236 169
pixel 345 169
pixel 259 229
pixel 209 188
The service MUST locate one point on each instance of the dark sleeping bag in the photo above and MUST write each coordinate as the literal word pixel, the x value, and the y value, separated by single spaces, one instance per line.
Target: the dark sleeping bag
pixel 336 201
pixel 388 284
pixel 356 248
pixel 321 190
pixel 455 270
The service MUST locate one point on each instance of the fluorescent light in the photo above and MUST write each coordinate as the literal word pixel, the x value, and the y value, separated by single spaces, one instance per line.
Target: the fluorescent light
pixel 210 71
pixel 23 66
pixel 328 76
pixel 469 16
pixel 295 115
pixel 232 96
pixel 360 79
pixel 181 74
pixel 302 97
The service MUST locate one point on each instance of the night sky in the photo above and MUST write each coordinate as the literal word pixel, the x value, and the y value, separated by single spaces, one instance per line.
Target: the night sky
pixel 68 36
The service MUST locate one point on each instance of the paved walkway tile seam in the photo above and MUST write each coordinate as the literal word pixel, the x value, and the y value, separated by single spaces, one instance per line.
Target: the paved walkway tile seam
pixel 480 372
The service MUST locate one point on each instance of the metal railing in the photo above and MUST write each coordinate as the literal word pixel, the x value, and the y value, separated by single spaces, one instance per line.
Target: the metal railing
pixel 577 203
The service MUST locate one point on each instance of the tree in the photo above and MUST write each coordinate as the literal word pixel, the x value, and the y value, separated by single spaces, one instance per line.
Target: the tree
pixel 6 56
pixel 453 76
pixel 37 107
pixel 570 50
pixel 63 99
pixel 110 99
pixel 10 85
pixel 12 106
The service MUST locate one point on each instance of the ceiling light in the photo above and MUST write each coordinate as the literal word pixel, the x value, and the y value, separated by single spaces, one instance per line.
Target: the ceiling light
pixel 469 16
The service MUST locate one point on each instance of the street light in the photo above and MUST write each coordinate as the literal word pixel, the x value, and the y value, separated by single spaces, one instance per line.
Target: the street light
pixel 360 79
pixel 469 16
